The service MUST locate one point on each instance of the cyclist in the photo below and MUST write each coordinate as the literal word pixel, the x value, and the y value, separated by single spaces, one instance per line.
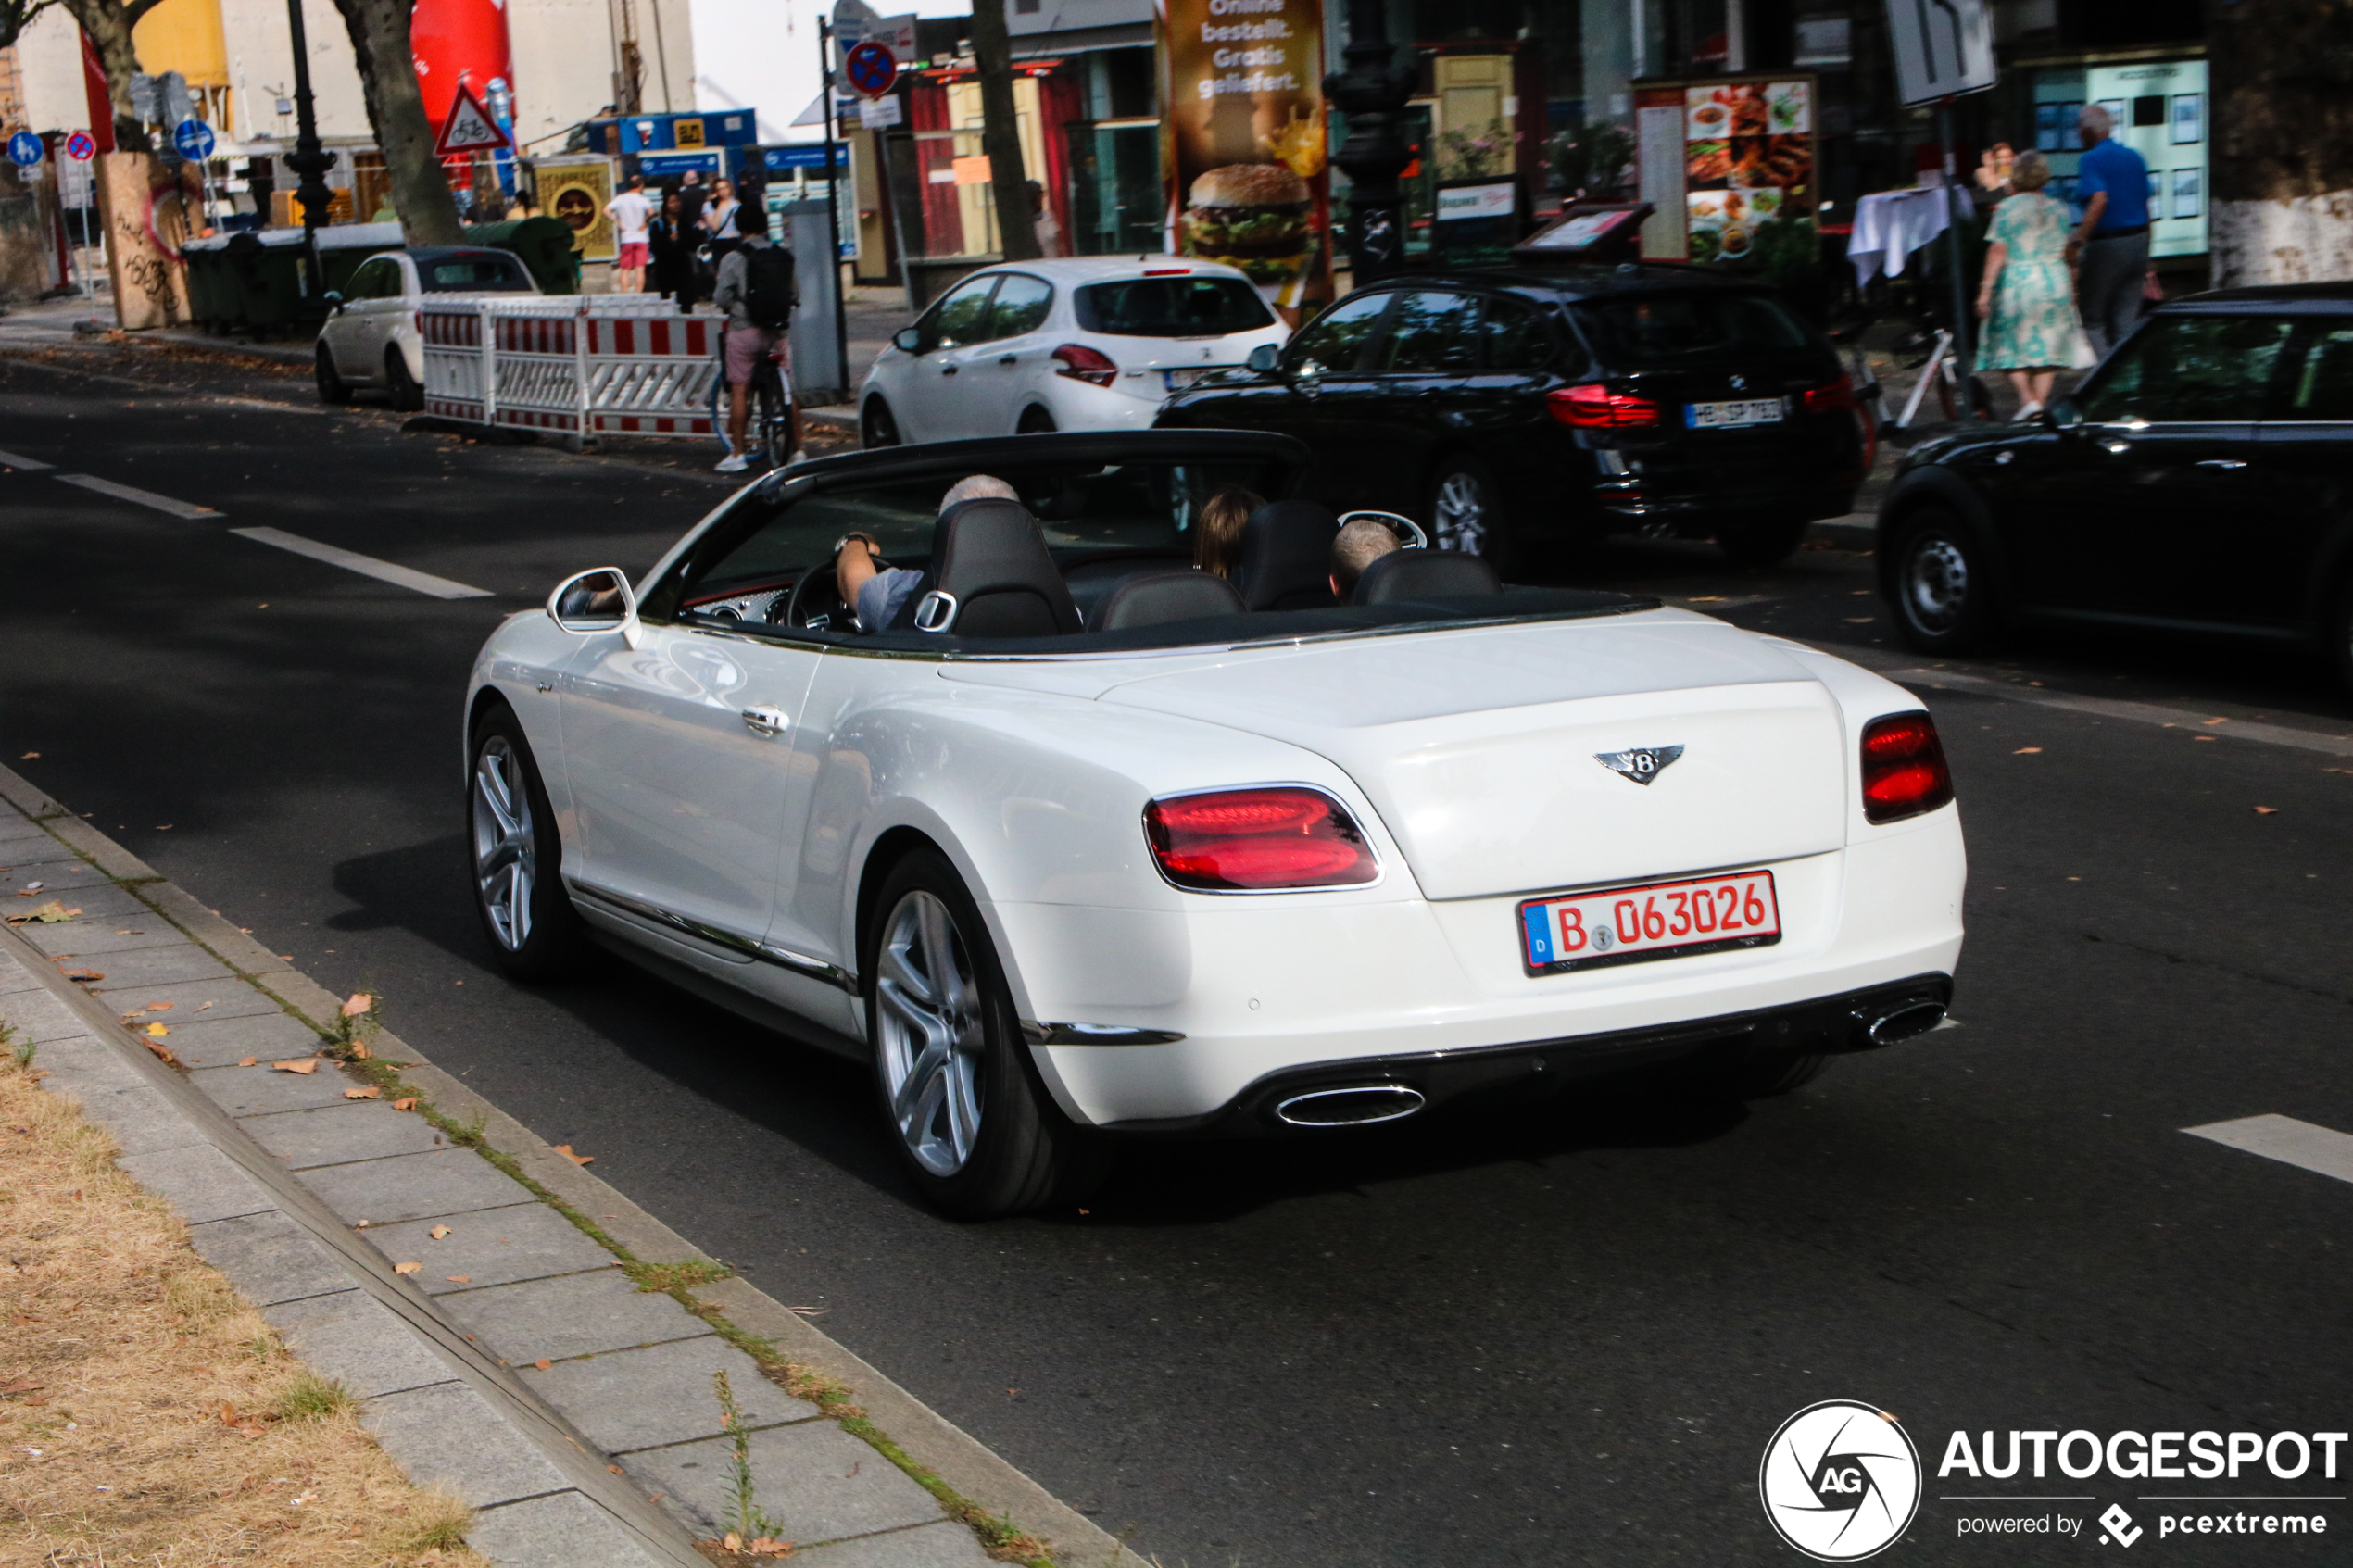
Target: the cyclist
pixel 757 292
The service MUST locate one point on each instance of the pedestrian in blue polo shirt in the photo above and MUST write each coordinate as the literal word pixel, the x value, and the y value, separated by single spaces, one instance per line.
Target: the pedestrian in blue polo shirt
pixel 2112 248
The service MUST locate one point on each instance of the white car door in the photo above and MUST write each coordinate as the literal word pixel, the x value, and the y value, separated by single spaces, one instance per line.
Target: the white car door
pixel 348 330
pixel 1001 372
pixel 679 754
pixel 943 404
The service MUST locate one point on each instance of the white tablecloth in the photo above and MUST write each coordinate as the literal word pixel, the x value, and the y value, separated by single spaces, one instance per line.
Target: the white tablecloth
pixel 1892 225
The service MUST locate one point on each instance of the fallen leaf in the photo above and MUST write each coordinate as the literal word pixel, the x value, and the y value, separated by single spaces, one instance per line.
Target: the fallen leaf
pixel 29 756
pixel 252 1431
pixel 369 1092
pixel 406 1268
pixel 201 1008
pixel 247 1061
pixel 405 1102
pixel 84 977
pixel 228 1414
pixel 565 1149
pixel 359 1051
pixel 1860 620
pixel 163 1052
pixel 2267 811
pixel 543 1363
pixel 438 1231
pixel 2028 751
pixel 732 1541
pixel 19 1386
pixel 51 913
pixel 2201 737
pixel 306 1064
pixel 359 1002
pixel 2217 720
pixel 162 1007
pixel 157 1030
pixel 458 1279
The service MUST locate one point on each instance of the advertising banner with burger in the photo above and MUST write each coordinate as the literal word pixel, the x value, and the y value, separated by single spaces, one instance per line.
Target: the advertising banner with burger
pixel 1242 144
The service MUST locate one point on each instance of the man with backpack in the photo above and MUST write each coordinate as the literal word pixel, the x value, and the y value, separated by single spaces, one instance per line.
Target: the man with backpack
pixel 757 292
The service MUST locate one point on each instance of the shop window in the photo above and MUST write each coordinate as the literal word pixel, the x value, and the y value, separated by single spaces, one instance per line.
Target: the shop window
pixel 1116 188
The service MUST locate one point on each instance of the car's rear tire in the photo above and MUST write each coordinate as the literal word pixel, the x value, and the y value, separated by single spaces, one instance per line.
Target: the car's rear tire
pixel 518 856
pixel 333 389
pixel 1764 542
pixel 972 1123
pixel 1941 584
pixel 1467 513
pixel 877 425
pixel 406 396
pixel 1036 421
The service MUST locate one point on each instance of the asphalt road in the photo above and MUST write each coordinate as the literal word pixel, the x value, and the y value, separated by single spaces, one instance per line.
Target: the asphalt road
pixel 1560 1337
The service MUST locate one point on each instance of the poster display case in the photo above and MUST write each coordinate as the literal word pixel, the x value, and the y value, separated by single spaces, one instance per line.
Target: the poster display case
pixel 1728 163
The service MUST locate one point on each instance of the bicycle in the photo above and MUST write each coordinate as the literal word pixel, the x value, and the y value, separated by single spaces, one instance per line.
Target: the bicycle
pixel 768 427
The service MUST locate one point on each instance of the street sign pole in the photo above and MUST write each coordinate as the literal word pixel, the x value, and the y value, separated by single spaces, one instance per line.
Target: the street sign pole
pixel 1964 362
pixel 833 207
pixel 872 69
pixel 1943 49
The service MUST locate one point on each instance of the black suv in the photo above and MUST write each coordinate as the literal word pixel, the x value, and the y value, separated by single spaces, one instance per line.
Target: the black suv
pixel 1509 408
pixel 2201 478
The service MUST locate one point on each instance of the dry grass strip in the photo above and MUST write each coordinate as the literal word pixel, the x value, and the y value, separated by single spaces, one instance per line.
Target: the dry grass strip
pixel 147 1414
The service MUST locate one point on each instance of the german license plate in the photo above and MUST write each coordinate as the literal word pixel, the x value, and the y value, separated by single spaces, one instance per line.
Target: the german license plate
pixel 1731 416
pixel 1660 920
pixel 1177 381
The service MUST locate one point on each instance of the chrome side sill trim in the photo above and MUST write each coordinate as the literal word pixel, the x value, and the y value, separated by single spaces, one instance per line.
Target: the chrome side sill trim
pixel 1095 1034
pixel 761 952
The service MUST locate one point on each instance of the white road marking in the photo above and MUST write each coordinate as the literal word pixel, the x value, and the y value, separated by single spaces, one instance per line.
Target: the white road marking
pixel 2131 712
pixel 138 496
pixel 367 566
pixel 2286 1139
pixel 29 465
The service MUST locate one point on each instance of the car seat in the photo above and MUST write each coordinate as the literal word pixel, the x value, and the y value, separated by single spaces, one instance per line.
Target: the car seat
pixel 991 577
pixel 1424 574
pixel 1152 599
pixel 1287 557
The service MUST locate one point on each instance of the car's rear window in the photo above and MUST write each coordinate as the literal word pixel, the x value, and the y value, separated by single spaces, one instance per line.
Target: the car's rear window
pixel 1171 307
pixel 474 274
pixel 1657 331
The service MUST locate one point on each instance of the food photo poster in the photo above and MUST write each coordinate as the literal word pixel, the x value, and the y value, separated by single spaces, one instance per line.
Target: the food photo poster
pixel 1748 163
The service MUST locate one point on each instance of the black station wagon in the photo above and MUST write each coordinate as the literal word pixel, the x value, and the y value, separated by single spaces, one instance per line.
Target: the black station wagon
pixel 1521 409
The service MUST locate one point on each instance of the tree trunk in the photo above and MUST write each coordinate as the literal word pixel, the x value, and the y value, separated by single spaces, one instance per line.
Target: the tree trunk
pixel 1000 131
pixel 2282 140
pixel 108 23
pixel 16 16
pixel 420 195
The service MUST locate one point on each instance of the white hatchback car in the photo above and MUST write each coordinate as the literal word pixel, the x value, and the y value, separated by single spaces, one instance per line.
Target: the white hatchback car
pixel 1096 343
pixel 372 337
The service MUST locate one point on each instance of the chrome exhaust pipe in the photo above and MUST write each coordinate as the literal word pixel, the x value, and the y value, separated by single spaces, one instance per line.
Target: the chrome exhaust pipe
pixel 1904 1020
pixel 1359 1105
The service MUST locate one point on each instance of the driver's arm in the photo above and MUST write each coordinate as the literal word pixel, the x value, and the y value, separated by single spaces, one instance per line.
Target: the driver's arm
pixel 853 566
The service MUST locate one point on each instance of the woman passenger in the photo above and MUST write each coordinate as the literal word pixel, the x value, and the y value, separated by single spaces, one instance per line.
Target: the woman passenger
pixel 1217 542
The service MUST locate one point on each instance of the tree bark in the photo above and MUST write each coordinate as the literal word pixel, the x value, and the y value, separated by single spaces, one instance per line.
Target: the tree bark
pixel 2282 140
pixel 16 16
pixel 1000 131
pixel 379 30
pixel 108 23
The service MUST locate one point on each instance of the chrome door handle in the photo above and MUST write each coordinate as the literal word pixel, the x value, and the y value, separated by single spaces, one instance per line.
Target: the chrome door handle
pixel 1007 359
pixel 947 369
pixel 2220 464
pixel 766 721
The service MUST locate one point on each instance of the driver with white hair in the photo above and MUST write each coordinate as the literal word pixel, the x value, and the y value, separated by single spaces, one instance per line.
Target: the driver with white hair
pixel 877 593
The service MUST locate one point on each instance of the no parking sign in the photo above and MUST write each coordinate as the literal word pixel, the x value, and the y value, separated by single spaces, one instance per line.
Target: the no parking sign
pixel 80 148
pixel 871 68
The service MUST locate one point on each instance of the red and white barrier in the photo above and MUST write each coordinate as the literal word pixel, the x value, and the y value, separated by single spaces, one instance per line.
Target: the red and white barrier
pixel 583 365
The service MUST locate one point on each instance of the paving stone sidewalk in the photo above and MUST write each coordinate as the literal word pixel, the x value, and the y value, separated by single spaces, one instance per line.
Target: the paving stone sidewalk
pixel 518 1364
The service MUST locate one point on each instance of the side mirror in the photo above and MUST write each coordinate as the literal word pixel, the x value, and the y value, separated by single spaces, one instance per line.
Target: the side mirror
pixel 2064 415
pixel 597 601
pixel 907 339
pixel 334 300
pixel 1264 360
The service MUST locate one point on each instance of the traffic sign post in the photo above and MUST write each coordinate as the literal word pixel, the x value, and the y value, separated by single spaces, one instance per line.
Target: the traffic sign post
pixel 469 128
pixel 1943 49
pixel 873 70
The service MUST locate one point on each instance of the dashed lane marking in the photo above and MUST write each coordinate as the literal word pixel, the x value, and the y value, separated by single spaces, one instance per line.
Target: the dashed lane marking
pixel 2286 1139
pixel 367 566
pixel 2131 712
pixel 140 497
pixel 29 465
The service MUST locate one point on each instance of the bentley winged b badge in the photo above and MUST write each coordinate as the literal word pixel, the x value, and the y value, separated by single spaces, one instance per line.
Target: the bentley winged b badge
pixel 1642 764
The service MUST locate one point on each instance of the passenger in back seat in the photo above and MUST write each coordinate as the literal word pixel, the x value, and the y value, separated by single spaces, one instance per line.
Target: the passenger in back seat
pixel 1360 543
pixel 1217 537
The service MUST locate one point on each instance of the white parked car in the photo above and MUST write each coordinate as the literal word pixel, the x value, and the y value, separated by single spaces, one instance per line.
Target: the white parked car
pixel 1097 342
pixel 372 337
pixel 1120 846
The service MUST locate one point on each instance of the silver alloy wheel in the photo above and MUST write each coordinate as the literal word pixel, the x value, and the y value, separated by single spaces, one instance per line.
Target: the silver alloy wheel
pixel 1936 585
pixel 506 842
pixel 931 1035
pixel 1461 523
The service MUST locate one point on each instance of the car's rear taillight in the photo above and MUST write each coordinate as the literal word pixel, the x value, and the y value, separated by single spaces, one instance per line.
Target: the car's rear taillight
pixel 1839 394
pixel 1251 840
pixel 1904 771
pixel 1082 363
pixel 1591 405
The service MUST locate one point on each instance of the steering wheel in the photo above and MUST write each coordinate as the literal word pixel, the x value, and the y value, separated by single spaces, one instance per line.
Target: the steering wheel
pixel 816 595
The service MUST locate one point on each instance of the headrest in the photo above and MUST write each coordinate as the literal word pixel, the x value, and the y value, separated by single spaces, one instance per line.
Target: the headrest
pixel 1286 556
pixel 989 557
pixel 1424 574
pixel 1156 598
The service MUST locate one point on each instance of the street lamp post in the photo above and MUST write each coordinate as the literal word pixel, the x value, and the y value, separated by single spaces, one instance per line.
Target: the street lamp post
pixel 1373 92
pixel 308 160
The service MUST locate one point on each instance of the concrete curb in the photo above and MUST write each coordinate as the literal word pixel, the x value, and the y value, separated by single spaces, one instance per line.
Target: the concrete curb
pixel 305 1198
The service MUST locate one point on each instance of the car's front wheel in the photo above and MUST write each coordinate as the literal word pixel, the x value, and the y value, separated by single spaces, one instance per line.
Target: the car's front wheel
pixel 1942 585
pixel 518 859
pixel 333 389
pixel 1467 513
pixel 962 1101
pixel 876 427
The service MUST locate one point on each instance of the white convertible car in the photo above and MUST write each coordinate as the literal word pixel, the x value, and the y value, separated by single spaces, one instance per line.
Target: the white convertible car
pixel 1113 847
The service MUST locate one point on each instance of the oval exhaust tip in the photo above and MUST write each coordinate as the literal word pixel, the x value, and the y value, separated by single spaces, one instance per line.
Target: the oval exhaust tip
pixel 1912 1018
pixel 1360 1104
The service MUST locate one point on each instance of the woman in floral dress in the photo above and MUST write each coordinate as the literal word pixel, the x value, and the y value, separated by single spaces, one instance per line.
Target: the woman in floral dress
pixel 2028 298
